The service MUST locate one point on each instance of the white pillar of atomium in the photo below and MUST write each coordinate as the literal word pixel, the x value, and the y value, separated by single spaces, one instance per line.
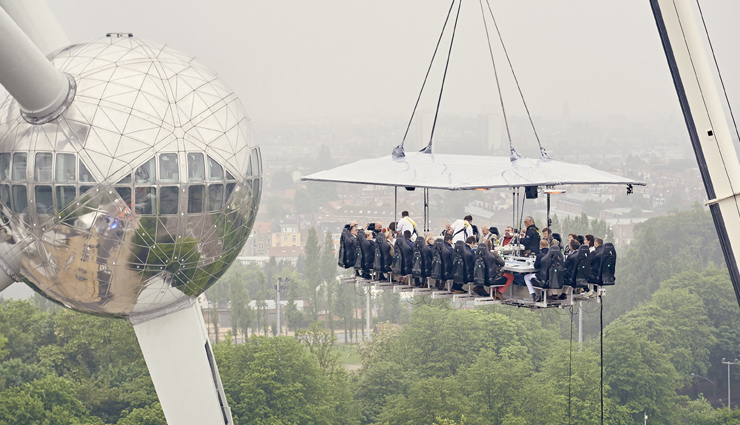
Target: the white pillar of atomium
pixel 27 74
pixel 705 119
pixel 180 361
pixel 38 22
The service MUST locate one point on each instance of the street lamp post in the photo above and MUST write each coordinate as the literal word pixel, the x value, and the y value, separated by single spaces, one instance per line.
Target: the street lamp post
pixel 278 290
pixel 728 363
pixel 693 375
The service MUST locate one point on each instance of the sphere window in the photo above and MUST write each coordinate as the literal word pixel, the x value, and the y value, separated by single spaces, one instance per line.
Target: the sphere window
pixel 196 167
pixel 65 168
pixel 229 189
pixel 125 180
pixel 20 198
pixel 168 170
pixel 85 175
pixel 19 166
pixel 229 176
pixel 65 196
pixel 125 194
pixel 5 195
pixel 4 166
pixel 215 197
pixel 84 189
pixel 215 171
pixel 42 167
pixel 168 199
pixel 44 200
pixel 196 196
pixel 145 200
pixel 146 173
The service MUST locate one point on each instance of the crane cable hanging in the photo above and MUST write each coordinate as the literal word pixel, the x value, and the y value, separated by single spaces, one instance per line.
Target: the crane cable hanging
pixel 398 152
pixel 428 148
pixel 543 152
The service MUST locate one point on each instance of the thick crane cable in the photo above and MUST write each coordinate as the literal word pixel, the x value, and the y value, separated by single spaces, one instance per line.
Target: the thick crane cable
pixel 706 109
pixel 516 80
pixel 716 66
pixel 428 149
pixel 434 55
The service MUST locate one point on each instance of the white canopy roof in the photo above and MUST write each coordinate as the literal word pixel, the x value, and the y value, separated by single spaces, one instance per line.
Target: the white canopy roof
pixel 465 172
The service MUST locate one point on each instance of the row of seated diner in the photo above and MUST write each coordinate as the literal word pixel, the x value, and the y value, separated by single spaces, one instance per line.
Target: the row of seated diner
pixel 435 268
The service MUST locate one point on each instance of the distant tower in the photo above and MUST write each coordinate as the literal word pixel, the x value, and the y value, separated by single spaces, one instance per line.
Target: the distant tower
pixel 492 134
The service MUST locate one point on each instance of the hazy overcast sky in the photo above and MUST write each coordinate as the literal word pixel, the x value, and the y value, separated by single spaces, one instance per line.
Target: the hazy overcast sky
pixel 302 60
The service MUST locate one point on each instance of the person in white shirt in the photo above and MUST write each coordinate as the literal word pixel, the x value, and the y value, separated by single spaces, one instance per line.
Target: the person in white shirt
pixel 461 229
pixel 406 223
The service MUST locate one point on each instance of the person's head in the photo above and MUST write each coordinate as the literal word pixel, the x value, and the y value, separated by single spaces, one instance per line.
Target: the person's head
pixel 572 236
pixel 405 214
pixel 546 233
pixel 352 223
pixel 555 242
pixel 353 230
pixel 509 231
pixel 378 226
pixel 407 234
pixel 392 226
pixel 574 244
pixel 429 239
pixel 485 230
pixel 581 239
pixel 448 226
pixel 468 218
pixel 589 240
pixel 489 244
pixel 544 243
pixel 369 233
pixel 470 240
pixel 448 238
pixel 598 242
pixel 528 220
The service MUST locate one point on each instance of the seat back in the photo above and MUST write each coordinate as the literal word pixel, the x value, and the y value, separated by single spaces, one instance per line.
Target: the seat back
pixel 358 250
pixel 383 258
pixel 397 265
pixel 608 264
pixel 583 267
pixel 594 275
pixel 418 266
pixel 556 270
pixel 437 269
pixel 426 255
pixel 344 246
pixel 368 253
pixel 458 263
pixel 469 261
pixel 484 267
pixel 543 274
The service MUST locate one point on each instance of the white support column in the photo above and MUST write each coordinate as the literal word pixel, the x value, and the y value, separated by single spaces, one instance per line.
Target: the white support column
pixel 368 315
pixel 37 20
pixel 180 361
pixel 706 122
pixel 26 74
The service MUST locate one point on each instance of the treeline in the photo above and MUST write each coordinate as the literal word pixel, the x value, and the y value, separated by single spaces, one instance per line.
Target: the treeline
pixel 672 314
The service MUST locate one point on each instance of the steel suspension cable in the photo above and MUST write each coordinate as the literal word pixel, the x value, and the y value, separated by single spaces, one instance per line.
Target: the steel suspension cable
pixel 570 363
pixel 516 80
pixel 601 335
pixel 434 55
pixel 495 75
pixel 428 148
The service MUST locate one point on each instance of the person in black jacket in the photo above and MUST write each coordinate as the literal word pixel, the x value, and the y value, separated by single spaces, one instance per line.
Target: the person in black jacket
pixel 570 262
pixel 531 238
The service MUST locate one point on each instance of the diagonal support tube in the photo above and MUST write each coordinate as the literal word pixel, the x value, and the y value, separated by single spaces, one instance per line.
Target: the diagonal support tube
pixel 27 74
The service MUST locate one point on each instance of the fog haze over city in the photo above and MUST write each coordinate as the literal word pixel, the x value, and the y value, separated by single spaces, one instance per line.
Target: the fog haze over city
pixel 327 61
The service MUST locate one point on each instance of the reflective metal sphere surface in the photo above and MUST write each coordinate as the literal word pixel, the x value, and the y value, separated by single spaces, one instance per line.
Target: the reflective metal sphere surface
pixel 140 194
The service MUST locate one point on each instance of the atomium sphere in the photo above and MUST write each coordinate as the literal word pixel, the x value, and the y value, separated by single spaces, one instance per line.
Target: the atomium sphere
pixel 140 194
